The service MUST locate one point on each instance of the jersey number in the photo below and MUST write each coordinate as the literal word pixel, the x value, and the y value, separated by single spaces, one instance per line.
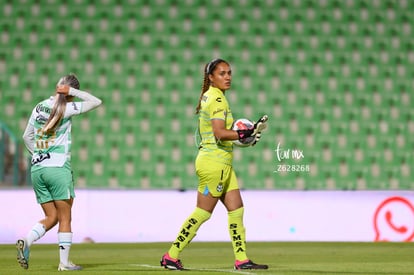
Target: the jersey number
pixel 41 142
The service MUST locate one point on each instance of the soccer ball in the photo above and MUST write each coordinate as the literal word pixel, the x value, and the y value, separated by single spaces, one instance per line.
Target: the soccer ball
pixel 243 124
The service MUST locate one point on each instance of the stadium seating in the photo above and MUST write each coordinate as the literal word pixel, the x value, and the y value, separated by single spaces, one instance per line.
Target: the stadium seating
pixel 335 77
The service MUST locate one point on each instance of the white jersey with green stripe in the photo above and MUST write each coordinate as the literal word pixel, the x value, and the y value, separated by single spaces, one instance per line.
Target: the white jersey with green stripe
pixel 52 150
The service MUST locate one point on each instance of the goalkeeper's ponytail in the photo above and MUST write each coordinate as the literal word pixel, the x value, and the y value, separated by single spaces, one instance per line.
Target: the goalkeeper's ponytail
pixel 208 69
pixel 204 88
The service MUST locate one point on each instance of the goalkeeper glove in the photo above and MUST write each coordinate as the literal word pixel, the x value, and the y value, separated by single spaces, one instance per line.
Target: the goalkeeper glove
pixel 245 133
pixel 259 126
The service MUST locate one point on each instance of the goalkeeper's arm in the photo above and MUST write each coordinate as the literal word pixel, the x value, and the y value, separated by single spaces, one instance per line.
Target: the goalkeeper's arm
pixel 220 131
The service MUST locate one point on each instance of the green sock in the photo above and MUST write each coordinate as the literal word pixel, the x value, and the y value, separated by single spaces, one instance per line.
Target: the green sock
pixel 237 233
pixel 188 231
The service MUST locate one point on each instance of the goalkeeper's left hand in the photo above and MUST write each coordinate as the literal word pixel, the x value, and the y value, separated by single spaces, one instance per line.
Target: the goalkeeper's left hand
pixel 259 126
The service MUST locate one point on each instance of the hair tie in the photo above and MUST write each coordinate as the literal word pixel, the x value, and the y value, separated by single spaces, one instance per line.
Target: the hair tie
pixel 212 64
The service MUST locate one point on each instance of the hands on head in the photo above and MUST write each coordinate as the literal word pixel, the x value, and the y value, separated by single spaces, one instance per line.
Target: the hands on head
pixel 62 89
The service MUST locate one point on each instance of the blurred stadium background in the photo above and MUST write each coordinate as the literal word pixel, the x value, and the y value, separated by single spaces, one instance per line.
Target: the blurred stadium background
pixel 335 77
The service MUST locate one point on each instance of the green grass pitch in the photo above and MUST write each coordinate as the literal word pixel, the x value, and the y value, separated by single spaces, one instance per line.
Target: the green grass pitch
pixel 285 258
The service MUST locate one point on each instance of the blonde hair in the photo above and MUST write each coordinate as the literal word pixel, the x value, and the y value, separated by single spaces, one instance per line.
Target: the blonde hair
pixel 59 106
pixel 208 69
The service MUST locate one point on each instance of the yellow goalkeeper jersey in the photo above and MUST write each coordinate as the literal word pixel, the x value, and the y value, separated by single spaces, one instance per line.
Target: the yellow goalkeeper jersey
pixel 214 105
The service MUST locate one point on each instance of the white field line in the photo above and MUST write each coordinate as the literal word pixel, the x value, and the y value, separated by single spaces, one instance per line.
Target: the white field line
pixel 202 269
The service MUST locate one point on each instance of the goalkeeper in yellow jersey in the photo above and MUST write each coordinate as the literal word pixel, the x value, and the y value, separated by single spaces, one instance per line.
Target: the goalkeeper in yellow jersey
pixel 217 179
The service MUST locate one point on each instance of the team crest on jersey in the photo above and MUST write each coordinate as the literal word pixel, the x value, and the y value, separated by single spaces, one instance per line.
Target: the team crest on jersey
pixel 219 187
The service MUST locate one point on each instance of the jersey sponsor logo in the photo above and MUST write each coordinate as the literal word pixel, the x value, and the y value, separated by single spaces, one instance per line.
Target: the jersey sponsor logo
pixel 218 111
pixel 185 233
pixel 236 238
pixel 218 99
pixel 40 157
pixel 41 119
pixel 74 106
pixel 43 108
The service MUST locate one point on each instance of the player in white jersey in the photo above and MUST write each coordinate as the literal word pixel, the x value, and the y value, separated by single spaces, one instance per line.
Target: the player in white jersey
pixel 48 139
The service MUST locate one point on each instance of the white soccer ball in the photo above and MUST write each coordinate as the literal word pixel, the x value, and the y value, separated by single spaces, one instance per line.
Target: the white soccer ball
pixel 243 124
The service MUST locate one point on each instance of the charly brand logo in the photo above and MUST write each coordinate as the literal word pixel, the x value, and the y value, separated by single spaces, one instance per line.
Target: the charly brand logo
pixel 287 154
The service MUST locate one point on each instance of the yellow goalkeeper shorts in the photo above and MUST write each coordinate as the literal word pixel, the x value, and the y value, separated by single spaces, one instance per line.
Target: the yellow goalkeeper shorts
pixel 215 177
